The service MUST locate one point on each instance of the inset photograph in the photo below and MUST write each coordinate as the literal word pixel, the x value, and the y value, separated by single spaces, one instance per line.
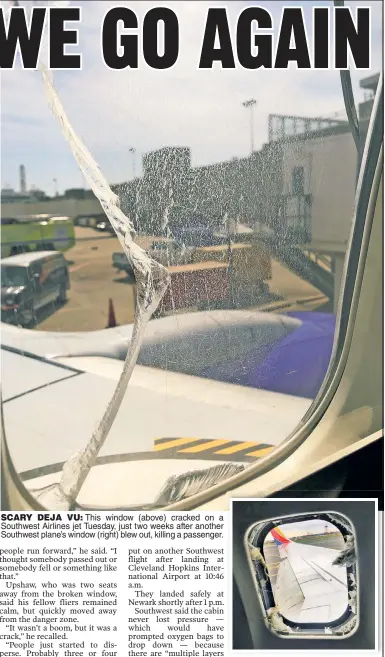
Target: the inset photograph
pixel 298 572
pixel 305 568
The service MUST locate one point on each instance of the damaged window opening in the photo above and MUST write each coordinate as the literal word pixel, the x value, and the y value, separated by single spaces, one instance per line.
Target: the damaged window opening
pixel 305 569
pixel 191 323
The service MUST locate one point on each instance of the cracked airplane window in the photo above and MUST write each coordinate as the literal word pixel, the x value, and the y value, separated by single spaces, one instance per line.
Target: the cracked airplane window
pixel 173 247
pixel 306 574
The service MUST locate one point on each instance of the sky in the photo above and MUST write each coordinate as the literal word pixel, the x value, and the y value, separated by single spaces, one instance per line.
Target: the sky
pixel 145 109
pixel 299 528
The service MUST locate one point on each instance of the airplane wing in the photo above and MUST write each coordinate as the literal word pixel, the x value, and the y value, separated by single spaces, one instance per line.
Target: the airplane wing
pixel 172 421
pixel 52 405
pixel 254 349
pixel 309 589
pixel 180 343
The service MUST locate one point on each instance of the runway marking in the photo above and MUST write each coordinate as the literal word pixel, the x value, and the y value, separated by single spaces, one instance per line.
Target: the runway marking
pixel 170 444
pixel 261 452
pixel 208 448
pixel 202 448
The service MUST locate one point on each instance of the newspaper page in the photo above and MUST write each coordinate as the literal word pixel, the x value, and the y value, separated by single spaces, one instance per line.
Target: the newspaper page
pixel 191 328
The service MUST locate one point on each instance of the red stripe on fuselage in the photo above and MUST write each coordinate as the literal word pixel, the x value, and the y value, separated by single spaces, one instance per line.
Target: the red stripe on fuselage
pixel 279 536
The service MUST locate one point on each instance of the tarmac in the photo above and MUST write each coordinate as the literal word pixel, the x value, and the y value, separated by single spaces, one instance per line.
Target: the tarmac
pixel 94 282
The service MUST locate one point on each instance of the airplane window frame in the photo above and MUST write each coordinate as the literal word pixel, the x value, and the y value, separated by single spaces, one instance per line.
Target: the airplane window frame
pixel 264 528
pixel 355 263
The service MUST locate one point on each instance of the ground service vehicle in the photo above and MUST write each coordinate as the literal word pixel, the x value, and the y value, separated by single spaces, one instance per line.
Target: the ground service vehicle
pixel 30 281
pixel 36 233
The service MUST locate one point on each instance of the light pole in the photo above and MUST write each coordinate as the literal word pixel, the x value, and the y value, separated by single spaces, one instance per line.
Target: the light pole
pixel 250 104
pixel 54 180
pixel 133 151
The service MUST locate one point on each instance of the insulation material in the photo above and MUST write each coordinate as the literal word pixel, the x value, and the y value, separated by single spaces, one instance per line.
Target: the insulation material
pixel 277 624
pixel 180 487
pixel 347 556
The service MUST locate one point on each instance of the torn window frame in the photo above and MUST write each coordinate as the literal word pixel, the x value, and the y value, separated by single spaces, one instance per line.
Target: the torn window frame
pixel 341 628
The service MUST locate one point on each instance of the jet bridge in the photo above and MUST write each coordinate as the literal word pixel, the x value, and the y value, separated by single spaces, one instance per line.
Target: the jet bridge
pixel 310 217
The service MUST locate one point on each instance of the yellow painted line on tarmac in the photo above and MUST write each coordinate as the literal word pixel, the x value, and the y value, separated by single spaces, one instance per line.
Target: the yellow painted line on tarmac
pixel 201 448
pixel 175 442
pixel 209 448
pixel 236 448
pixel 261 452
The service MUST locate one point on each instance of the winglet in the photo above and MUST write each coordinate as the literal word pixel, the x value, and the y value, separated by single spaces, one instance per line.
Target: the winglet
pixel 279 537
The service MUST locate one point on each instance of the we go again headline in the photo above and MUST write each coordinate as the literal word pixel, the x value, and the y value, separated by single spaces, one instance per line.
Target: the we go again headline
pixel 340 38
